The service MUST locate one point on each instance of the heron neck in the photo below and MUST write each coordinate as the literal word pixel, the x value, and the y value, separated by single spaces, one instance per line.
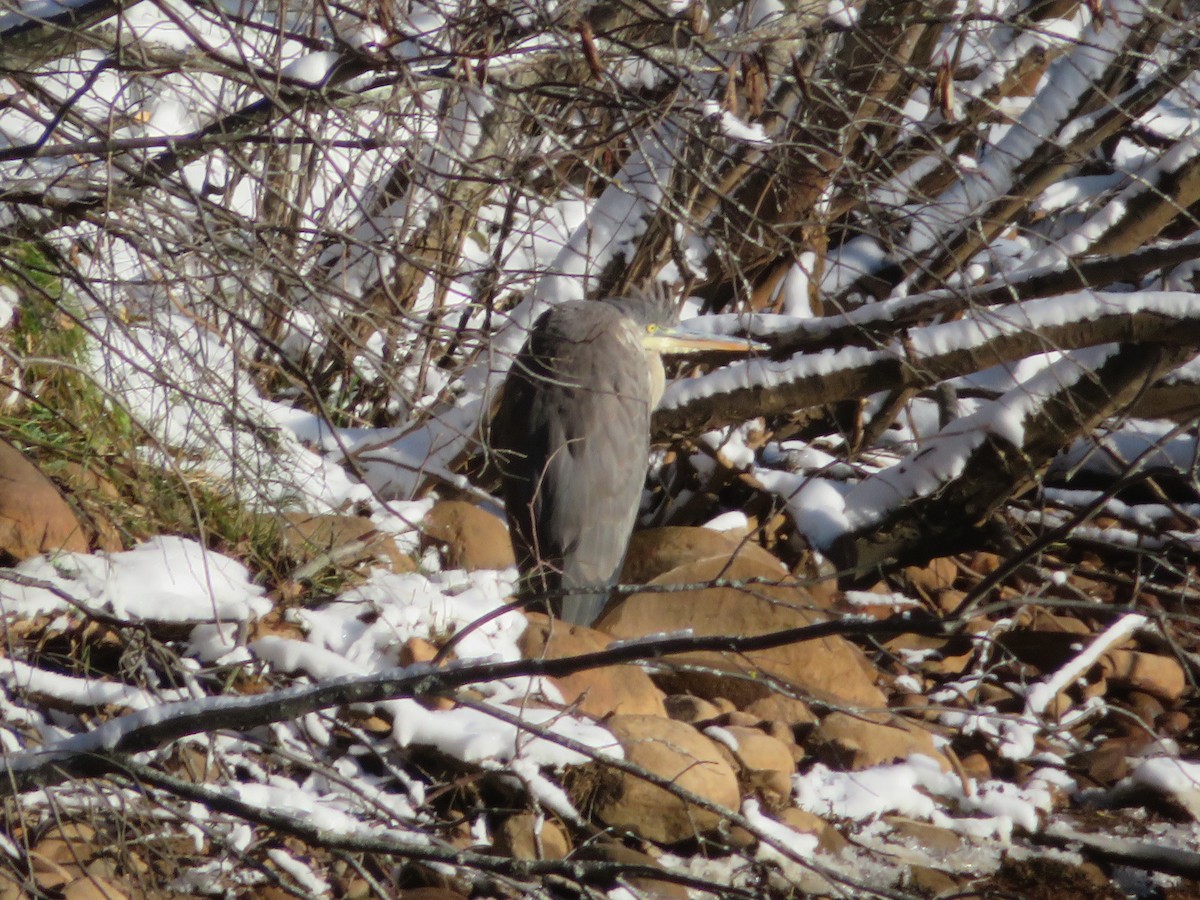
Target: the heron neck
pixel 658 377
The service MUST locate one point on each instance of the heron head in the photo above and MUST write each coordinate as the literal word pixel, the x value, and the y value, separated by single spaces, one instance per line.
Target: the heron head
pixel 657 323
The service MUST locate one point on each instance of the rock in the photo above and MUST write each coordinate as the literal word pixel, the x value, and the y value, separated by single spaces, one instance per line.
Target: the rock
pixel 948 656
pixel 1157 675
pixel 857 742
pixel 777 707
pixel 1044 620
pixel 49 875
pixel 1147 708
pixel 687 708
pixel 609 850
pixel 11 888
pixel 656 551
pixel 781 731
pixel 91 888
pixel 1174 722
pixel 773 787
pixel 928 837
pixel 70 842
pixel 34 516
pixel 597 692
pixel 983 564
pixel 830 668
pixel 736 717
pixel 936 575
pixel 757 750
pixel 931 882
pixel 519 838
pixel 342 540
pixel 818 575
pixel 674 751
pixel 976 765
pixel 1107 763
pixel 948 600
pixel 829 838
pixel 473 537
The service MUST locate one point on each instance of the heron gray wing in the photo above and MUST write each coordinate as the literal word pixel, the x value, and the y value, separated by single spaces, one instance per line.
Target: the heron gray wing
pixel 573 431
pixel 591 496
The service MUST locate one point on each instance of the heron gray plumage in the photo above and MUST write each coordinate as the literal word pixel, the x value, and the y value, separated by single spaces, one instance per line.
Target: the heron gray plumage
pixel 572 441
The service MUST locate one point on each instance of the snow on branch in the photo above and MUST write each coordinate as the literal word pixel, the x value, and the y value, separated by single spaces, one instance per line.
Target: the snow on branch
pixel 937 495
pixel 149 728
pixel 925 356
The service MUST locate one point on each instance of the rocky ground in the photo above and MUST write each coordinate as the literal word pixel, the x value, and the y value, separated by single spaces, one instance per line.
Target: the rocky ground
pixel 1028 736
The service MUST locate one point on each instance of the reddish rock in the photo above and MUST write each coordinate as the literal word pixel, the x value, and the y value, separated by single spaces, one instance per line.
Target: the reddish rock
pixel 773 787
pixel 857 742
pixel 819 577
pixel 758 751
pixel 1044 620
pixel 417 650
pixel 520 838
pixel 949 656
pixel 656 551
pixel 737 717
pixel 829 838
pixel 931 882
pixel 1147 708
pixel 829 668
pixel 687 708
pixel 92 888
pixel 343 540
pixel 674 751
pixel 976 765
pixel 607 849
pixel 597 692
pixel 1155 674
pixel 473 538
pixel 936 575
pixel 34 516
pixel 926 836
pixel 777 707
pixel 1108 762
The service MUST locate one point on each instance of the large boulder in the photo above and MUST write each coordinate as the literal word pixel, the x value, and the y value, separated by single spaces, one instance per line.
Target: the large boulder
pixel 656 551
pixel 340 541
pixel 34 516
pixel 828 668
pixel 678 753
pixel 597 692
pixel 473 538
pixel 857 742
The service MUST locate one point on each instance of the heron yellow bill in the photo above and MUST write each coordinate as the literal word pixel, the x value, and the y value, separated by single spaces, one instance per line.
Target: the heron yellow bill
pixel 678 340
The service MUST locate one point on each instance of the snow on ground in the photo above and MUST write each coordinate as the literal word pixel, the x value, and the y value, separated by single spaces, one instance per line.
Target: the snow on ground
pixel 187 383
pixel 164 579
pixel 357 633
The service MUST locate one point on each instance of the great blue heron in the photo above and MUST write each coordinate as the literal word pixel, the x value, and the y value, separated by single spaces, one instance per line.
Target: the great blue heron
pixel 572 440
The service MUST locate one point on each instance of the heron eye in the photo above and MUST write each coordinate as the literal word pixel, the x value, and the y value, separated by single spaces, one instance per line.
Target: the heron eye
pixel 650 329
